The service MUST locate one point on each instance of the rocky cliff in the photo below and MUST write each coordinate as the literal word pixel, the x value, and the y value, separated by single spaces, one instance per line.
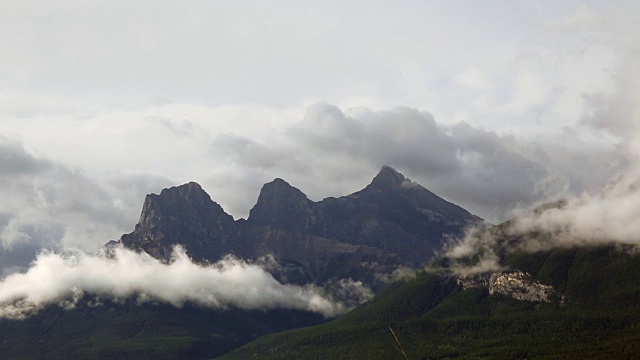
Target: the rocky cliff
pixel 183 215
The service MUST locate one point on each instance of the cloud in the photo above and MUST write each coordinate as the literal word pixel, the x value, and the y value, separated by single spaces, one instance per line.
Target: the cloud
pixel 47 205
pixel 329 152
pixel 14 160
pixel 606 214
pixel 606 218
pixel 63 279
pixel 609 214
pixel 400 273
pixel 334 152
pixel 475 253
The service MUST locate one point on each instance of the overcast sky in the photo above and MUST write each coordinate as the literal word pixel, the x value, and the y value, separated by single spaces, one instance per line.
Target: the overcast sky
pixel 496 106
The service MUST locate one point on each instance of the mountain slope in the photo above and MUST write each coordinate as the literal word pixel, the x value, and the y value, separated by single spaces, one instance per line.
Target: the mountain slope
pixel 395 214
pixel 594 313
pixel 131 331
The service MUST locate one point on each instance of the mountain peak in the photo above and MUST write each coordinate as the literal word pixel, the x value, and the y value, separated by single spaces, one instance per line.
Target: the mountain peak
pixel 278 188
pixel 279 199
pixel 184 215
pixel 190 191
pixel 184 199
pixel 388 177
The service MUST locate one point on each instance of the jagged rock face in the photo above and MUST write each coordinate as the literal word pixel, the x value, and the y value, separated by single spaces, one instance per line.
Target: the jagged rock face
pixel 395 214
pixel 515 284
pixel 285 222
pixel 183 215
pixel 391 222
pixel 280 205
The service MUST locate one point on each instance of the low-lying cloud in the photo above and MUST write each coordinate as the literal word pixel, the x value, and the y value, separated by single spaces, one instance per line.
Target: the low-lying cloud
pixel 609 217
pixel 64 279
pixel 605 214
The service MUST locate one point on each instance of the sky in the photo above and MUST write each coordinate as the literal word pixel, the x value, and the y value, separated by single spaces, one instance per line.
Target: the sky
pixel 496 106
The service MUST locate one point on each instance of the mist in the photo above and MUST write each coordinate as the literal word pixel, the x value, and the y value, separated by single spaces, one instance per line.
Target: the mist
pixel 600 215
pixel 606 218
pixel 63 279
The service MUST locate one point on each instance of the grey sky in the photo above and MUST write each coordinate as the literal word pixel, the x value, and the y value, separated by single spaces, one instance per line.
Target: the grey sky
pixel 494 105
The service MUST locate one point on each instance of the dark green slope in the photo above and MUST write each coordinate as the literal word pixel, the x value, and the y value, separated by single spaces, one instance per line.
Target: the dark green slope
pixel 113 331
pixel 435 318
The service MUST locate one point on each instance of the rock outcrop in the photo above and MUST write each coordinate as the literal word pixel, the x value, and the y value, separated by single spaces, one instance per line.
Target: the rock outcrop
pixel 183 215
pixel 516 284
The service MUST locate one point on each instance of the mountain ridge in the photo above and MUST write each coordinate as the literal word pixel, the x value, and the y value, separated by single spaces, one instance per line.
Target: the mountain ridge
pixel 392 222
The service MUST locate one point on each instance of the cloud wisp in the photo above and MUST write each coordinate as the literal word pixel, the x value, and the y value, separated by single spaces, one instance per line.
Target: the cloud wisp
pixel 64 279
pixel 606 218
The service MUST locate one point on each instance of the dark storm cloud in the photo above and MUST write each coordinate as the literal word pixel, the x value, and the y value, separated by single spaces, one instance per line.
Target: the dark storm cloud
pixel 405 137
pixel 14 160
pixel 330 150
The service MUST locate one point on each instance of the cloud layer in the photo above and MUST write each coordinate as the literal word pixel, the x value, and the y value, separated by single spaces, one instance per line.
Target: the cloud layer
pixel 63 279
pixel 329 152
pixel 102 104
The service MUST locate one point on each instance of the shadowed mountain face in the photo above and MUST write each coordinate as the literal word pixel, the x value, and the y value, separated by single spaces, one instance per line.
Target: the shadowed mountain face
pixel 396 215
pixel 392 222
pixel 132 331
pixel 183 215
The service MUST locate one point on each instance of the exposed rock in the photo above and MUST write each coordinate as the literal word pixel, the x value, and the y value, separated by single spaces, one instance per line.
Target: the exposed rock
pixel 516 284
pixel 284 206
pixel 183 215
pixel 395 214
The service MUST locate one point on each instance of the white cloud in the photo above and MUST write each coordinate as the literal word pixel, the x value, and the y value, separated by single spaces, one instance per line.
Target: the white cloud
pixel 603 211
pixel 474 79
pixel 64 279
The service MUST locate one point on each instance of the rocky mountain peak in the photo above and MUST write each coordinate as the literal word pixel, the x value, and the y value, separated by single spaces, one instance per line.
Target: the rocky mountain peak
pixel 191 192
pixel 189 197
pixel 281 188
pixel 277 201
pixel 391 221
pixel 387 178
pixel 184 215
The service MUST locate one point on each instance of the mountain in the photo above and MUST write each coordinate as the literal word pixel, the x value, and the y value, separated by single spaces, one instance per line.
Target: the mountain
pixel 504 301
pixel 392 222
pixel 395 214
pixel 563 303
